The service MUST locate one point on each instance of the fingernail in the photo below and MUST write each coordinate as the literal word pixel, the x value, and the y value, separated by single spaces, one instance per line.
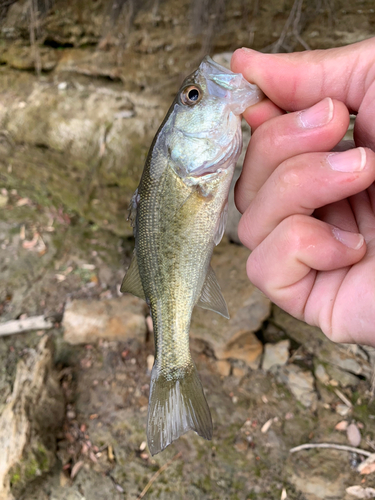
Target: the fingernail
pixel 318 115
pixel 353 160
pixel 351 240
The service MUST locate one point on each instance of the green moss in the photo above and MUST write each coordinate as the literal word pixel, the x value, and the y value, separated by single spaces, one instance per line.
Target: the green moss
pixel 34 463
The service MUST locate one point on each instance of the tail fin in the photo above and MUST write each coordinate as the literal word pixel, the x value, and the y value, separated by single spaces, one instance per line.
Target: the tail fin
pixel 176 405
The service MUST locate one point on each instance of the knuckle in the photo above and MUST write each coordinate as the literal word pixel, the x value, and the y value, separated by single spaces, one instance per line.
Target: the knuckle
pixel 298 232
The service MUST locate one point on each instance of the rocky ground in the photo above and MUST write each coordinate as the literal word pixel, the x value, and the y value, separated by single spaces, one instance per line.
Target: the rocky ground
pixel 73 397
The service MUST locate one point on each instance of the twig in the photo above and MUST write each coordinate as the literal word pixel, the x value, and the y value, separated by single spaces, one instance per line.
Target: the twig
pixel 342 447
pixel 23 325
pixel 157 474
pixel 343 398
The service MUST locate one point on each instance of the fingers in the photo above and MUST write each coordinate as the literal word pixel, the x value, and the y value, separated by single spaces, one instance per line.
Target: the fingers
pixel 284 266
pixel 297 81
pixel 303 183
pixel 319 128
pixel 260 113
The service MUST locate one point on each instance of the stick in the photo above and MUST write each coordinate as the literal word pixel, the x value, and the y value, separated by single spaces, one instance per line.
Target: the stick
pixel 23 325
pixel 156 475
pixel 331 445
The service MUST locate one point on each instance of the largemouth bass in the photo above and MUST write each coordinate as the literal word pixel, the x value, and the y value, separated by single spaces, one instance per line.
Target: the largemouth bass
pixel 178 213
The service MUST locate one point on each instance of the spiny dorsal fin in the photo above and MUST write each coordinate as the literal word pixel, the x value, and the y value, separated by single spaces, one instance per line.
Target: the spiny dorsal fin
pixel 176 405
pixel 211 296
pixel 221 223
pixel 132 281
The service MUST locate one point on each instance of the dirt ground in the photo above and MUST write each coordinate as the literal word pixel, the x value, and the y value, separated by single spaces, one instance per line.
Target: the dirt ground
pixel 53 251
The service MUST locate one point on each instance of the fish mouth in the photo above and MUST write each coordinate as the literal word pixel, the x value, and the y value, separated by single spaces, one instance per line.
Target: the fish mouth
pixel 223 83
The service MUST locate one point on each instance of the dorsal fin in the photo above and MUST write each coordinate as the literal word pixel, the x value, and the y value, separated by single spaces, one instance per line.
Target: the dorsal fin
pixel 211 297
pixel 132 281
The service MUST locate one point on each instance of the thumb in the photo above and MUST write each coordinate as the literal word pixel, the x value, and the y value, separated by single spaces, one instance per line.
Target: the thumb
pixel 299 80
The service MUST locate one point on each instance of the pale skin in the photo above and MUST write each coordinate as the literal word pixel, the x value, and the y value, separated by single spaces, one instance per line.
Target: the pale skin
pixel 308 213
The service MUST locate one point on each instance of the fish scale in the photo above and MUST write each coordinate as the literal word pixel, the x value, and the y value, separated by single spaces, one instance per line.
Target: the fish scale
pixel 179 215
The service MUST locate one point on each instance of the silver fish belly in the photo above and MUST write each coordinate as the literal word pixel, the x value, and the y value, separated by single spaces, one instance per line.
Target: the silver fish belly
pixel 179 213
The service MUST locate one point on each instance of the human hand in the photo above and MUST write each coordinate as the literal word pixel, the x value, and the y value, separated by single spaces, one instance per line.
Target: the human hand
pixel 308 214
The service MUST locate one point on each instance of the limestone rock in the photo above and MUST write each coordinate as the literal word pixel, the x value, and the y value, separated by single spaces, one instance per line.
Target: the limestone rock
pixel 321 374
pixel 300 383
pixel 223 367
pixel 316 343
pixel 82 146
pixel 248 307
pixel 28 421
pixel 244 345
pixel 276 354
pixel 118 319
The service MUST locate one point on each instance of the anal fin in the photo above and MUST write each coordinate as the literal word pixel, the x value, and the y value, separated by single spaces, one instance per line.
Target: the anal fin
pixel 211 297
pixel 132 281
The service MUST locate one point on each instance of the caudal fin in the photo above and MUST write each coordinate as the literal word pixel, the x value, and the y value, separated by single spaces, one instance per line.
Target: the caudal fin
pixel 176 405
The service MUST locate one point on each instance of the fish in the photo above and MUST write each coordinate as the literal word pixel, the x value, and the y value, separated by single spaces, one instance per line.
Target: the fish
pixel 178 213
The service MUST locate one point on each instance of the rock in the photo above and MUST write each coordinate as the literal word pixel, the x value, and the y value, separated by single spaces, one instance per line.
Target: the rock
pixel 118 319
pixel 276 354
pixel 244 345
pixel 239 372
pixel 248 308
pixel 344 378
pixel 316 343
pixel 300 383
pixel 28 421
pixel 316 487
pixel 79 146
pixel 321 374
pixel 342 409
pixel 354 435
pixel 223 367
pixel 360 492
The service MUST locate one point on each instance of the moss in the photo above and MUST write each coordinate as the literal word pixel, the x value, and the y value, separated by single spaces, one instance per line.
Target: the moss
pixel 33 465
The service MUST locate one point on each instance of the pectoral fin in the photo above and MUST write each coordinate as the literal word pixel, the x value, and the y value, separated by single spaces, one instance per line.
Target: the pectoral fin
pixel 132 281
pixel 221 223
pixel 211 297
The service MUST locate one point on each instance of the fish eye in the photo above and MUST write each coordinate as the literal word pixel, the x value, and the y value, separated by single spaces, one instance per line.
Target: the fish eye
pixel 191 95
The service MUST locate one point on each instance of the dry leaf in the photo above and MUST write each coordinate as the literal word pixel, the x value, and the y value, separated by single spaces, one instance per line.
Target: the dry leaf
pixel 266 426
pixel 23 201
pixel 368 469
pixel 369 462
pixel 76 468
pixel 342 426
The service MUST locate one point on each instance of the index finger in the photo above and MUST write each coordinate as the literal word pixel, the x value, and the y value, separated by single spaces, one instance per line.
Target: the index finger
pixel 297 81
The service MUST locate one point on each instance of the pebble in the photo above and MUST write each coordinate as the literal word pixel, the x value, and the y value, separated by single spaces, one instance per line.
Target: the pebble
pixel 276 354
pixel 239 372
pixel 353 435
pixel 223 367
pixel 300 383
pixel 321 374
